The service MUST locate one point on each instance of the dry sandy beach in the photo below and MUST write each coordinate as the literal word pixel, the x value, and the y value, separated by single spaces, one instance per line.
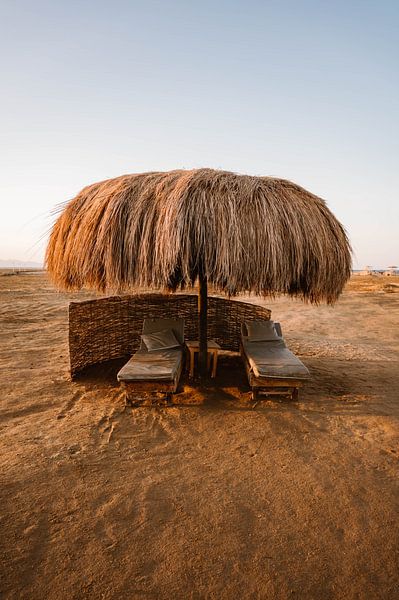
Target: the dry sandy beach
pixel 212 499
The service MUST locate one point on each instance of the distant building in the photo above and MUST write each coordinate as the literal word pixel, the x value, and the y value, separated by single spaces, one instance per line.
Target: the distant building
pixel 368 270
pixel 391 271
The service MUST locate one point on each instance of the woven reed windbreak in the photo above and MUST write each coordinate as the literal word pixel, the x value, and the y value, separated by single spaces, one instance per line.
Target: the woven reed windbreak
pixel 108 328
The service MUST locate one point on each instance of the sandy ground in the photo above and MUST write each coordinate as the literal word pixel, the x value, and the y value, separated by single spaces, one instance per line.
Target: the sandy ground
pixel 216 500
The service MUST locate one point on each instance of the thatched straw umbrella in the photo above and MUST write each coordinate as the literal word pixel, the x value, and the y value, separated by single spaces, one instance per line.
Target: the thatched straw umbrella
pixel 168 230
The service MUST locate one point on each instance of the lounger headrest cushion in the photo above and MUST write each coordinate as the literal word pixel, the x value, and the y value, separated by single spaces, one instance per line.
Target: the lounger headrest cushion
pixel 155 325
pixel 160 340
pixel 261 331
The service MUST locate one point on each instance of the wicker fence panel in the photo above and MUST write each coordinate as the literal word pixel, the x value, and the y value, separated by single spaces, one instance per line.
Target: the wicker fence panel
pixel 108 328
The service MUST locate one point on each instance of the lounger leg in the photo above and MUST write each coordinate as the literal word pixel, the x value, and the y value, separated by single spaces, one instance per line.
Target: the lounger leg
pixel 191 363
pixel 295 394
pixel 255 394
pixel 128 400
pixel 132 402
pixel 215 363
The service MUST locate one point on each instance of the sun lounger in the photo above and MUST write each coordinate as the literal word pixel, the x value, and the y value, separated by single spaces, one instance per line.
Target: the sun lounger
pixel 271 367
pixel 155 372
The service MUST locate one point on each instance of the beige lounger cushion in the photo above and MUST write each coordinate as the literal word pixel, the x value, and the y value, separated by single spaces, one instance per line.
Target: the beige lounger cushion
pixel 261 331
pixel 176 325
pixel 273 359
pixel 161 365
pixel 160 340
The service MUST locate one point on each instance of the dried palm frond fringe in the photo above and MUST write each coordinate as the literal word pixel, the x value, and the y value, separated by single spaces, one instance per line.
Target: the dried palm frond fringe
pixel 246 234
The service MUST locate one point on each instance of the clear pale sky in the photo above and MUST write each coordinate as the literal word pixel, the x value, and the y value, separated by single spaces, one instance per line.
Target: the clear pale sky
pixel 304 90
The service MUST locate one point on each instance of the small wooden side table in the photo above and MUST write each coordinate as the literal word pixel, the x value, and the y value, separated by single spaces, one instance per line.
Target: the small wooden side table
pixel 213 348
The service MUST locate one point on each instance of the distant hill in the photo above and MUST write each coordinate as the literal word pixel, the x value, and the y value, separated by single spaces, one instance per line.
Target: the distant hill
pixel 19 264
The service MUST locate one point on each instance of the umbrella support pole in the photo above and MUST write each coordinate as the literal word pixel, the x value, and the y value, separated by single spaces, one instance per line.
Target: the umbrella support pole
pixel 203 325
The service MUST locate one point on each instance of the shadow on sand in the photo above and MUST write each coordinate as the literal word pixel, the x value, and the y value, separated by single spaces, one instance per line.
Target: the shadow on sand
pixel 337 386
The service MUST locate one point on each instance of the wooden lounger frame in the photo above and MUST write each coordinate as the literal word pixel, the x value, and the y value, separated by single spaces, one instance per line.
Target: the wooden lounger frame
pixel 286 386
pixel 137 392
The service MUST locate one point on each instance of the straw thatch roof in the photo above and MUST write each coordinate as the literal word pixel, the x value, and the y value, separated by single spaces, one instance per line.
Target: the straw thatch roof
pixel 257 234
